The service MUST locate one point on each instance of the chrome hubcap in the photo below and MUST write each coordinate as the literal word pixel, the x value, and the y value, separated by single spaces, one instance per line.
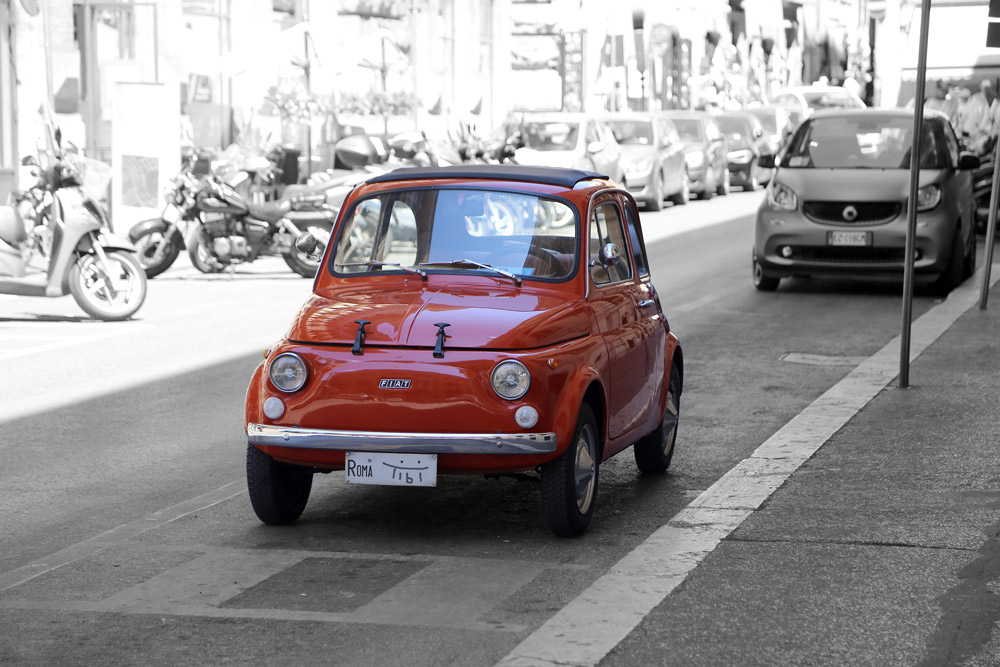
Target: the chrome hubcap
pixel 586 469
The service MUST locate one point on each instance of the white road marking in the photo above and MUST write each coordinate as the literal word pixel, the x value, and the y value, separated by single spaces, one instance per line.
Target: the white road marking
pixel 807 359
pixel 68 340
pixel 590 626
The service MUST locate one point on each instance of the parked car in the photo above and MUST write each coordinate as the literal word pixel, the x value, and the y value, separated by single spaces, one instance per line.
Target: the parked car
pixel 837 203
pixel 476 348
pixel 571 141
pixel 802 101
pixel 747 143
pixel 777 124
pixel 652 158
pixel 705 150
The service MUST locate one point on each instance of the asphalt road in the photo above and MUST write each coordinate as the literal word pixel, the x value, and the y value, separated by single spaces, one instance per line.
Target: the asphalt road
pixel 128 538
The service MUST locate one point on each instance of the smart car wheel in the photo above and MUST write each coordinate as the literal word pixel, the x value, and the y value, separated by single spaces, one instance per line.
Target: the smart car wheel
pixel 951 277
pixel 569 484
pixel 654 452
pixel 278 491
pixel 761 280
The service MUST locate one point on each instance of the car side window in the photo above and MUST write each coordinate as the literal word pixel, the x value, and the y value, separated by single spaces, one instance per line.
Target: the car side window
pixel 635 238
pixel 952 141
pixel 606 228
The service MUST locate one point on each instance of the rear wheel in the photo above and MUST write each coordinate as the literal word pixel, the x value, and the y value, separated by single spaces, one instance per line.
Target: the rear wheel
pixel 754 182
pixel 654 452
pixel 655 203
pixel 202 257
pixel 684 196
pixel 569 483
pixel 723 188
pixel 278 491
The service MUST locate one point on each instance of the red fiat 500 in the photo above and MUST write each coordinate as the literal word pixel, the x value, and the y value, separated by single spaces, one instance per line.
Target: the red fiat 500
pixel 471 319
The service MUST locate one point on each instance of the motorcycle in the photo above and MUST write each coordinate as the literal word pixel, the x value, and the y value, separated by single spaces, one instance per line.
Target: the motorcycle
pixel 220 228
pixel 56 239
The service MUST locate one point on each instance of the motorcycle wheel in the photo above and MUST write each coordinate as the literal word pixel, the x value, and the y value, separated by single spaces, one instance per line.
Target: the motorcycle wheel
pixel 158 250
pixel 202 258
pixel 307 265
pixel 110 298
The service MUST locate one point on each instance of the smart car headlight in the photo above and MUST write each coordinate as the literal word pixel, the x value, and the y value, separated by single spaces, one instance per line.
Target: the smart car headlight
pixel 288 372
pixel 510 379
pixel 782 197
pixel 928 197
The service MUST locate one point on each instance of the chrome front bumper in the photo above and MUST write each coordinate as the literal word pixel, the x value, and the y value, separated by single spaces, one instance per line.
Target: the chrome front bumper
pixel 416 443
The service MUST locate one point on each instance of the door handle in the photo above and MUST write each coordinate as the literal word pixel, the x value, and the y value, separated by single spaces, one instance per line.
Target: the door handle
pixel 646 303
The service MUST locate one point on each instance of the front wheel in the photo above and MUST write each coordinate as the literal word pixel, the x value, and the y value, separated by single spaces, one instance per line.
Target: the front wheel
pixel 569 483
pixel 761 280
pixel 654 452
pixel 111 291
pixel 157 249
pixel 684 196
pixel 278 491
pixel 655 203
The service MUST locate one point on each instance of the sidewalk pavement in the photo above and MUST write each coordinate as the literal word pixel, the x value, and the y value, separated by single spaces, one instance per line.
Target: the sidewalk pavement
pixel 883 548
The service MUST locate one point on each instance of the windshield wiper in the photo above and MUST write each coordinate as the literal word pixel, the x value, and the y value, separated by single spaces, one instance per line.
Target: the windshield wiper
pixel 395 265
pixel 459 262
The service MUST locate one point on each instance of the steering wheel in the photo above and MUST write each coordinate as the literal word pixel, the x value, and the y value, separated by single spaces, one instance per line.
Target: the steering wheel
pixel 552 266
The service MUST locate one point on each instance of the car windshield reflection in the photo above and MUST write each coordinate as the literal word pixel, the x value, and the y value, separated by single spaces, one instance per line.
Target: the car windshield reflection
pixel 861 143
pixel 458 230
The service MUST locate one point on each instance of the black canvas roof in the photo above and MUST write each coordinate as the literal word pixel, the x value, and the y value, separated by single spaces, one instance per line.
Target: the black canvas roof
pixel 566 178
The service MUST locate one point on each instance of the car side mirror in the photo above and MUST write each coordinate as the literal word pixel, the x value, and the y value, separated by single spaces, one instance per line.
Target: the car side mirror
pixel 29 161
pixel 969 161
pixel 611 255
pixel 307 244
pixel 767 161
pixel 595 146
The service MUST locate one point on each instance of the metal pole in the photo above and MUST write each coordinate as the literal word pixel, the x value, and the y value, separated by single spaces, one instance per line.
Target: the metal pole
pixel 911 204
pixel 991 230
pixel 305 69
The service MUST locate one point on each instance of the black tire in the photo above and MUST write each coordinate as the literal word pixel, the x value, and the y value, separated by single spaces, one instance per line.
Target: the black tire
pixel 654 452
pixel 684 196
pixel 157 250
pixel 969 266
pixel 722 189
pixel 754 182
pixel 95 294
pixel 278 491
pixel 202 258
pixel 569 483
pixel 655 203
pixel 761 280
pixel 952 276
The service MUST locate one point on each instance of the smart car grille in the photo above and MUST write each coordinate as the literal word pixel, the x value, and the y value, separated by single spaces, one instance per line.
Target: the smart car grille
pixel 851 213
pixel 835 255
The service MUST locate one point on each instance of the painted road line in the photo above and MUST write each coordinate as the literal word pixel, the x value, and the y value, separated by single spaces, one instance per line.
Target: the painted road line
pixel 116 329
pixel 119 535
pixel 590 626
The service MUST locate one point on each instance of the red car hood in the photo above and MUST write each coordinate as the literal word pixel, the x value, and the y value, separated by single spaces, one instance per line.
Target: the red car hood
pixel 479 318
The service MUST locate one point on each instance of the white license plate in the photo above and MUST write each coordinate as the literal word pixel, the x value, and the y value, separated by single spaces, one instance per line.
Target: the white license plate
pixel 848 238
pixel 391 469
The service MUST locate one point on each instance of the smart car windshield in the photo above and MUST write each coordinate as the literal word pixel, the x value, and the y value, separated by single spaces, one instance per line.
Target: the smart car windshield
pixel 458 230
pixel 864 143
pixel 550 136
pixel 635 132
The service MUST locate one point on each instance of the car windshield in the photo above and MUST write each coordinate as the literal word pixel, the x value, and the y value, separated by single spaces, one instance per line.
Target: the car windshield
pixel 769 120
pixel 501 234
pixel 736 129
pixel 550 136
pixel 831 99
pixel 635 132
pixel 864 143
pixel 689 129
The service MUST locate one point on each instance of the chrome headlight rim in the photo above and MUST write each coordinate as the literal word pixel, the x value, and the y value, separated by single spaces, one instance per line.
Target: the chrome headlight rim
pixel 289 389
pixel 522 388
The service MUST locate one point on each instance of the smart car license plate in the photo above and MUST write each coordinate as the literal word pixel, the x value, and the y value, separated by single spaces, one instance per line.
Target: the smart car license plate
pixel 391 469
pixel 848 238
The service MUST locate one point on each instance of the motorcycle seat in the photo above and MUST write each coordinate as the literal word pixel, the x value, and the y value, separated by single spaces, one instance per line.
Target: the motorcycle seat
pixel 271 212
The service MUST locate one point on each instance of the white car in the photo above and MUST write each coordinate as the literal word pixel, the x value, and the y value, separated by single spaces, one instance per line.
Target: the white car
pixel 802 101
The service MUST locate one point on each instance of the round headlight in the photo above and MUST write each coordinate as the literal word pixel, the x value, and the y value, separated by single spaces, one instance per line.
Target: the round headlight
pixel 510 379
pixel 288 372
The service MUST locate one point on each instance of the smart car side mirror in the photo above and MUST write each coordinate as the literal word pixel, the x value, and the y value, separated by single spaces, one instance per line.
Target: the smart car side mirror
pixel 767 161
pixel 969 161
pixel 29 161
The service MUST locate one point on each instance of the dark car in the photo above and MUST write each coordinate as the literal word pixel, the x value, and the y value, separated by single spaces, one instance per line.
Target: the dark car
pixel 705 150
pixel 837 203
pixel 747 142
pixel 653 158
